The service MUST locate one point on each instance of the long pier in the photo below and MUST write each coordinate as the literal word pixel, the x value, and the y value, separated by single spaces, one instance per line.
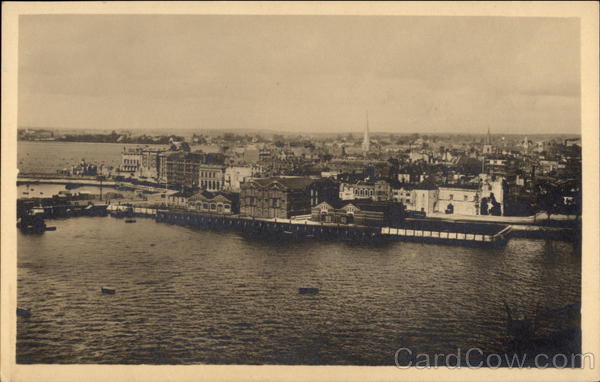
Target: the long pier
pixel 416 230
pixel 448 233
pixel 271 228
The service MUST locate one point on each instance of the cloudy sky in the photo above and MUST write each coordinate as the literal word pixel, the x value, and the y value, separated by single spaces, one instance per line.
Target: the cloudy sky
pixel 300 73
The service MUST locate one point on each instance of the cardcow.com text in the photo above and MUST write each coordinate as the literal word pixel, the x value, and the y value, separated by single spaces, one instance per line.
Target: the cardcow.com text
pixel 475 358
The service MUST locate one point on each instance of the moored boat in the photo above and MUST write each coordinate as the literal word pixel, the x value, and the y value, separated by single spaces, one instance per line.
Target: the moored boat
pixel 25 313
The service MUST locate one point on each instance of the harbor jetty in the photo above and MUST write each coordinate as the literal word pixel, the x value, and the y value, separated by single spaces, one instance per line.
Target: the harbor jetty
pixel 278 229
pixel 32 215
pixel 33 211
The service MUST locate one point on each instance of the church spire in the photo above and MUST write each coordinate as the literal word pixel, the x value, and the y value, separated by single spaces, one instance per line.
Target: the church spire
pixel 366 140
pixel 487 145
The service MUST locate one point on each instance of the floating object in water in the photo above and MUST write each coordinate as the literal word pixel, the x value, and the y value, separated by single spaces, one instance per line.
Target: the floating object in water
pixel 23 312
pixel 308 290
pixel 129 220
pixel 108 290
pixel 52 228
pixel 288 232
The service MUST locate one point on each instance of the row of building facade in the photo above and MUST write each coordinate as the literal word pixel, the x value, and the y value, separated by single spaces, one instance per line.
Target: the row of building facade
pixel 486 196
pixel 188 170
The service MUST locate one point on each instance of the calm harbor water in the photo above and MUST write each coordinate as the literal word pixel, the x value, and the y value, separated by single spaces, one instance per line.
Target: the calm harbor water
pixel 188 296
pixel 50 157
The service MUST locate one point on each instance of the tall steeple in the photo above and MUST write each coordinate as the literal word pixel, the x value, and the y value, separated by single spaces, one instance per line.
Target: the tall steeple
pixel 487 145
pixel 366 140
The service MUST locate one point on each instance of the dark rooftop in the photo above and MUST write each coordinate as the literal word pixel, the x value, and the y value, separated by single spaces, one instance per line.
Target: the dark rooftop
pixel 296 183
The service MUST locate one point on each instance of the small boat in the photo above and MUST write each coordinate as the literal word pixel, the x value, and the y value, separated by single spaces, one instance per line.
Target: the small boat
pixel 52 228
pixel 26 313
pixel 288 232
pixel 129 220
pixel 25 193
pixel 108 290
pixel 311 291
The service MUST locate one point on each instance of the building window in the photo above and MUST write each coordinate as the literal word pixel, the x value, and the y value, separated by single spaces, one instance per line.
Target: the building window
pixel 466 198
pixel 213 206
pixel 451 197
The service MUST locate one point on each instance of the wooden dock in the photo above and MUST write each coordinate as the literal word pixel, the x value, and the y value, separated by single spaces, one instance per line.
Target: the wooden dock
pixel 282 229
pixel 453 233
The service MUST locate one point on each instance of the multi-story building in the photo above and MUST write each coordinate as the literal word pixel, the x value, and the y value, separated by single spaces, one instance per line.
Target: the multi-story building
pixel 496 165
pixel 358 190
pixel 460 200
pixel 383 191
pixel 275 197
pixel 403 194
pixel 211 177
pixel 484 198
pixel 149 163
pixel 323 189
pixel 423 197
pixel 130 160
pixel 180 169
pixel 235 175
pixel 377 191
pixel 278 197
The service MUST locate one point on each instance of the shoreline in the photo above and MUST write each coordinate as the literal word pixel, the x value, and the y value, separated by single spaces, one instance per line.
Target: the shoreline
pixel 523 227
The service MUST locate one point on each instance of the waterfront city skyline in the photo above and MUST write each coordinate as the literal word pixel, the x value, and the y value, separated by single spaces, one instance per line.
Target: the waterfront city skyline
pixel 301 73
pixel 299 190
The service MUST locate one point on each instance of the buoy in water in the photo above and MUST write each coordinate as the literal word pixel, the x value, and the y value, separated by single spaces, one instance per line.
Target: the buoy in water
pixel 308 291
pixel 108 290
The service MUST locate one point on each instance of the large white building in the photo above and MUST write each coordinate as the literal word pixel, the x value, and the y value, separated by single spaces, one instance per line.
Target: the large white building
pixel 483 198
pixel 130 160
pixel 234 176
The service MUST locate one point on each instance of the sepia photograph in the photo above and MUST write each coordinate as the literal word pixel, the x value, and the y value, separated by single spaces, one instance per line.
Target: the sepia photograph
pixel 300 189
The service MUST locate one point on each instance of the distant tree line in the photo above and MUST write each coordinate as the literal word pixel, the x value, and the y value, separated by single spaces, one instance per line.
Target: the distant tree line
pixel 115 137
